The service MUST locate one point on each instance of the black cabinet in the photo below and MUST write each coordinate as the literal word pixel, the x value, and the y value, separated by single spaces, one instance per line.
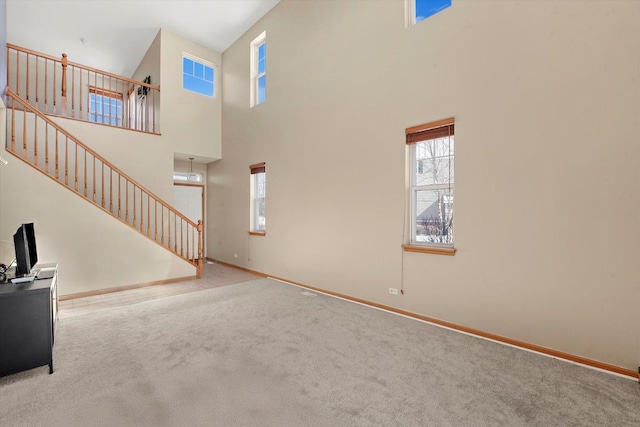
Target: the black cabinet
pixel 28 315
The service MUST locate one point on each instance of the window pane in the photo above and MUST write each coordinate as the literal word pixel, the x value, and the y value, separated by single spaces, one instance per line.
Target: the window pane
pixel 187 66
pixel 208 74
pixel 197 85
pixel 262 51
pixel 427 8
pixel 435 161
pixel 260 215
pixel 262 92
pixel 198 70
pixel 434 216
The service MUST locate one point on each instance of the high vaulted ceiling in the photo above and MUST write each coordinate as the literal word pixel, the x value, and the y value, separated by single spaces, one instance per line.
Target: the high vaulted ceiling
pixel 117 33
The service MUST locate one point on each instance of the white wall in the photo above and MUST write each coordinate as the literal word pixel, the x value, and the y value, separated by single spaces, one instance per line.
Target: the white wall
pixel 189 120
pixel 546 103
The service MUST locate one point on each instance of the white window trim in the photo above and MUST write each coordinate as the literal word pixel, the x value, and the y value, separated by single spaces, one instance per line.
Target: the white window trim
pixel 253 214
pixel 255 44
pixel 410 13
pixel 413 191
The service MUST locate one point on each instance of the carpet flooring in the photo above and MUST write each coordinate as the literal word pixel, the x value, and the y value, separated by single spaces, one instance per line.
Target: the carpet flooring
pixel 264 353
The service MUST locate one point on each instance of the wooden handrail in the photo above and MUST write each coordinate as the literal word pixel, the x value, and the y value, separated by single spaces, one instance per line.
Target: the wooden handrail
pixel 84 67
pixel 57 86
pixel 114 168
pixel 184 238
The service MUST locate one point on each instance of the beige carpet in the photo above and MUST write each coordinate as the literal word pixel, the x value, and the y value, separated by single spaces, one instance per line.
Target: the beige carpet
pixel 263 353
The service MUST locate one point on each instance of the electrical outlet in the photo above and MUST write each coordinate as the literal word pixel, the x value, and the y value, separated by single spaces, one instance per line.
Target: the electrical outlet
pixel 235 255
pixel 393 291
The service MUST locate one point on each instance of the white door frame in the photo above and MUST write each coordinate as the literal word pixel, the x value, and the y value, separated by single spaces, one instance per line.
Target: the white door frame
pixel 185 184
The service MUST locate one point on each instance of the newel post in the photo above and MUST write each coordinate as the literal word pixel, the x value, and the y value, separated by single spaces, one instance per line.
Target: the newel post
pixel 64 84
pixel 199 265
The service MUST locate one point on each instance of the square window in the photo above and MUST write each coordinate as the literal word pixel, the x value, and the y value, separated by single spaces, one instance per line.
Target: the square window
pixel 198 76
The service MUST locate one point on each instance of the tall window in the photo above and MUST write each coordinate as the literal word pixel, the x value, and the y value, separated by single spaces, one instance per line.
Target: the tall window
pixel 258 195
pixel 259 69
pixel 431 164
pixel 197 75
pixel 419 10
pixel 105 106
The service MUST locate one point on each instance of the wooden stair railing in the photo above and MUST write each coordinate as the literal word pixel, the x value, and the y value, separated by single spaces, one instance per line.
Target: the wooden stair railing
pixel 59 87
pixel 40 142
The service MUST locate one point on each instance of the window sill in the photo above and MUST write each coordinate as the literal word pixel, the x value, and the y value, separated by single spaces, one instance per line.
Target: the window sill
pixel 429 250
pixel 258 233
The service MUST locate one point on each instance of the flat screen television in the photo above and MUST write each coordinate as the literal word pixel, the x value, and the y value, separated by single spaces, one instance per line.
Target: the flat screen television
pixel 24 241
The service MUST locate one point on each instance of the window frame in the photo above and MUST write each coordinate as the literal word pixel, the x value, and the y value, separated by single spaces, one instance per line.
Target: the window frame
pixel 256 75
pixel 94 92
pixel 256 171
pixel 205 64
pixel 413 138
pixel 411 13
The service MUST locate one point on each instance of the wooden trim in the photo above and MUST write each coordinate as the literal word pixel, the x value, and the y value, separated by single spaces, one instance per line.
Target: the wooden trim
pixel 32 109
pixel 106 92
pixel 494 337
pixel 257 233
pixel 104 124
pixel 124 288
pixel 427 126
pixel 84 67
pixel 258 168
pixel 429 250
pixel 257 165
pixel 257 273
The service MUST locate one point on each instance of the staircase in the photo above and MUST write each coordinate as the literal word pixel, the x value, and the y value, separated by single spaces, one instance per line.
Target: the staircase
pixel 37 90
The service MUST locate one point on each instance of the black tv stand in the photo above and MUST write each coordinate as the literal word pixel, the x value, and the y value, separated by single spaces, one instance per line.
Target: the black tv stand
pixel 28 317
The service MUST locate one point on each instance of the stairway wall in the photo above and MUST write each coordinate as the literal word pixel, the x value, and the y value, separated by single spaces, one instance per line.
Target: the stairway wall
pixel 94 250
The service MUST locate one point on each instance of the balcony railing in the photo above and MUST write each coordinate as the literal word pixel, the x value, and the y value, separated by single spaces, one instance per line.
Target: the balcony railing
pixel 59 87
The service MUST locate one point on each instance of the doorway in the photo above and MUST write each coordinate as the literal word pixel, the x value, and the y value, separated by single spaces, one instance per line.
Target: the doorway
pixel 188 199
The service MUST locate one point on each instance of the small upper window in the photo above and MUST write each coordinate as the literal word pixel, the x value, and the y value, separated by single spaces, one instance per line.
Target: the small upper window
pixel 198 75
pixel 419 10
pixel 259 69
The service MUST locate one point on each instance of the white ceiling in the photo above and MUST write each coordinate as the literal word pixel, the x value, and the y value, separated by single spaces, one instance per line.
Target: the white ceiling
pixel 119 32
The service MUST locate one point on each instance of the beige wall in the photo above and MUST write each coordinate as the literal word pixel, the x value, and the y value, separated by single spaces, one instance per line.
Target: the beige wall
pixel 190 121
pixel 546 101
pixel 93 250
pixel 125 149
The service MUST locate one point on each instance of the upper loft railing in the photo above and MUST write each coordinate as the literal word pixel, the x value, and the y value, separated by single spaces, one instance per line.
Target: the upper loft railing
pixel 39 141
pixel 59 87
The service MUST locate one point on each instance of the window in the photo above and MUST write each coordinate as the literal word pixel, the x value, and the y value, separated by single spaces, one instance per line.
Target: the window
pixel 197 75
pixel 259 69
pixel 258 194
pixel 187 177
pixel 419 10
pixel 431 166
pixel 105 106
